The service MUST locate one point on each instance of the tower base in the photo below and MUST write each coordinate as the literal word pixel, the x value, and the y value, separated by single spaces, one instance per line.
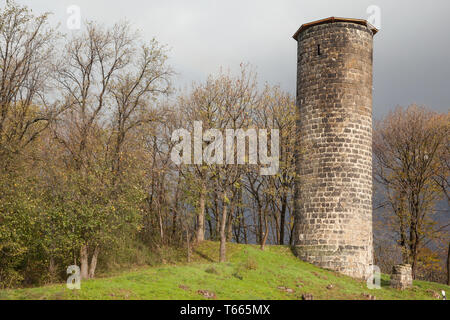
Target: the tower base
pixel 345 261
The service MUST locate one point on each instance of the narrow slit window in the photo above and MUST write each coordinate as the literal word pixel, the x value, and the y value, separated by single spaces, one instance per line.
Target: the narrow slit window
pixel 318 50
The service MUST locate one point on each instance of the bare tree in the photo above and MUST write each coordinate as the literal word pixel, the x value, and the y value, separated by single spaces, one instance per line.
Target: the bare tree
pixel 448 265
pixel 27 47
pixel 100 81
pixel 407 146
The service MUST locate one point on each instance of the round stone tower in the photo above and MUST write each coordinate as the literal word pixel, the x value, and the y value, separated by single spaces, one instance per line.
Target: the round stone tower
pixel 333 200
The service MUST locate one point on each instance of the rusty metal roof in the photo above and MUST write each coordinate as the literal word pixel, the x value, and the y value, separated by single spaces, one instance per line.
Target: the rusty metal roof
pixel 334 19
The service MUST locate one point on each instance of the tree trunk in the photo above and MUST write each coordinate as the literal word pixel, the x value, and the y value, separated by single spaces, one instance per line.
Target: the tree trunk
pixel 217 217
pixel 291 236
pixel 244 229
pixel 283 218
pixel 403 243
pixel 84 262
pixel 260 223
pixel 414 249
pixel 174 225
pixel 230 224
pixel 448 265
pixel 161 227
pixel 188 244
pixel 210 227
pixel 223 239
pixel 175 213
pixel 238 229
pixel 414 261
pixel 266 232
pixel 201 214
pixel 93 265
pixel 161 202
pixel 52 269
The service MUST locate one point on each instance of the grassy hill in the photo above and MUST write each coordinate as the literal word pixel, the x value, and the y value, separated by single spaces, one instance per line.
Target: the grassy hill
pixel 249 274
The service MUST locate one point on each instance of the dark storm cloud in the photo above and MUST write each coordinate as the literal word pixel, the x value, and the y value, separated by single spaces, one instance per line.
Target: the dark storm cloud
pixel 411 50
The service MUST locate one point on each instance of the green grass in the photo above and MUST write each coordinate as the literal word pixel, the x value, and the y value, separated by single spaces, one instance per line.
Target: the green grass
pixel 249 274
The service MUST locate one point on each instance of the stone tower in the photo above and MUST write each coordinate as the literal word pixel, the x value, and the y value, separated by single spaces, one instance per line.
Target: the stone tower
pixel 333 199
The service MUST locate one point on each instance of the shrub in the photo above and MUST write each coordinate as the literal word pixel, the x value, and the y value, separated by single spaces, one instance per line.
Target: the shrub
pixel 212 270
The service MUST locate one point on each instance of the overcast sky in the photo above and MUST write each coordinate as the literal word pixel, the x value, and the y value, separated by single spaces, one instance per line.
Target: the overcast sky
pixel 411 57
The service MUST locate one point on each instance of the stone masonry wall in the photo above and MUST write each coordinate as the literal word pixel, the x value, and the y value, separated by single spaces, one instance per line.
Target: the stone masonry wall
pixel 401 277
pixel 333 201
